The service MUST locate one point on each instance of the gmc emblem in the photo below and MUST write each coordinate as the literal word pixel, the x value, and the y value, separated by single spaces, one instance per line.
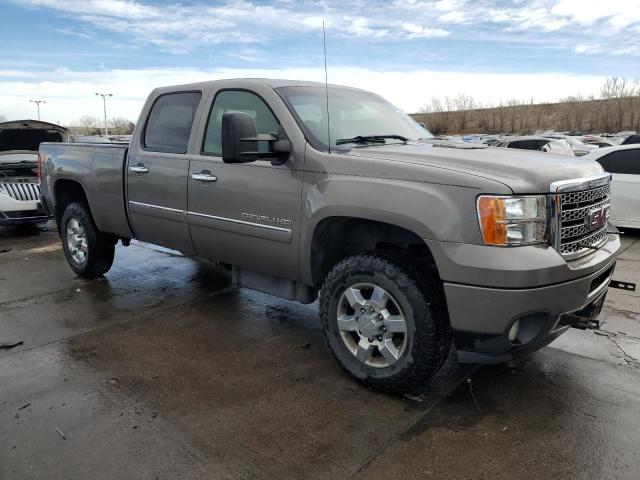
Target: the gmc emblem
pixel 598 217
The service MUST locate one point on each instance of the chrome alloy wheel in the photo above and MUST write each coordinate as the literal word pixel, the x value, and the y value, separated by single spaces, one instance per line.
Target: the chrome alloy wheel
pixel 372 325
pixel 77 243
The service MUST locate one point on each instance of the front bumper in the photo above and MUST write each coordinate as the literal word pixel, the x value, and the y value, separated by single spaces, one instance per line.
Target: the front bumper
pixel 22 218
pixel 14 212
pixel 482 314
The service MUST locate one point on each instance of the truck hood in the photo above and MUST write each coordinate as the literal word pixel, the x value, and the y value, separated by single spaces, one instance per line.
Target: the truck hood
pixel 523 171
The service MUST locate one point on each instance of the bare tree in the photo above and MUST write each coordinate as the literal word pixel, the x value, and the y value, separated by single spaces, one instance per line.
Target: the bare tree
pixel 616 91
pixel 464 103
pixel 440 113
pixel 617 108
pixel 121 126
pixel 89 125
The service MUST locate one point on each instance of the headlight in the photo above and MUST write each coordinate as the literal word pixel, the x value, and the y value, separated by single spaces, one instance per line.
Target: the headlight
pixel 512 221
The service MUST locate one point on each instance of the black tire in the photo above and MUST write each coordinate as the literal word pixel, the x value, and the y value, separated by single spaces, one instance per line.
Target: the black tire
pixel 421 299
pixel 100 246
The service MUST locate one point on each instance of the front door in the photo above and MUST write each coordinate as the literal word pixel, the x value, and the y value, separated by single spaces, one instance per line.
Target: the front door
pixel 247 214
pixel 157 173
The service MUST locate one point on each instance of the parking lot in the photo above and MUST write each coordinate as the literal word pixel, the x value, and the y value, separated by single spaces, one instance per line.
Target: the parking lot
pixel 163 369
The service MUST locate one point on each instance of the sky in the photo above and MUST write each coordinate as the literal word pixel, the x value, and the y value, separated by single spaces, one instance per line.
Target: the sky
pixel 64 51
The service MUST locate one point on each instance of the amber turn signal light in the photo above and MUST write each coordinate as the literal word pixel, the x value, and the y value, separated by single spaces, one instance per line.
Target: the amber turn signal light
pixel 491 212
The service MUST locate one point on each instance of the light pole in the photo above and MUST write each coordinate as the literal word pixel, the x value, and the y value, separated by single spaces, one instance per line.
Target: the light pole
pixel 38 102
pixel 104 104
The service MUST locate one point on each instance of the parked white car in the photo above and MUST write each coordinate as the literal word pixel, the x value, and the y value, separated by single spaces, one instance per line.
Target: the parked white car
pixel 541 144
pixel 579 148
pixel 623 162
pixel 19 187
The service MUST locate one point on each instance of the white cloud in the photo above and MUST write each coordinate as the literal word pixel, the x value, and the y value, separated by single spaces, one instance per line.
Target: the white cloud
pixel 71 94
pixel 617 13
pixel 449 5
pixel 455 16
pixel 418 31
pixel 174 26
pixel 584 48
pixel 179 26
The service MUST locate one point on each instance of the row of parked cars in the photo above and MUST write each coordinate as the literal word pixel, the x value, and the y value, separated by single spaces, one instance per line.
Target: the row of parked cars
pixel 554 142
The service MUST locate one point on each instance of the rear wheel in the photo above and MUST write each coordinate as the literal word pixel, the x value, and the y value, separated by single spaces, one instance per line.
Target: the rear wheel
pixel 89 252
pixel 385 323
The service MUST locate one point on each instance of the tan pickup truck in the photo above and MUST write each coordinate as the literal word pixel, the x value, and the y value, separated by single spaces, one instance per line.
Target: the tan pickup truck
pixel 307 192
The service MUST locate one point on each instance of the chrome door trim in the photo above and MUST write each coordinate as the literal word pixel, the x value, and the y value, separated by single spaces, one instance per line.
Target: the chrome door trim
pixel 241 222
pixel 156 207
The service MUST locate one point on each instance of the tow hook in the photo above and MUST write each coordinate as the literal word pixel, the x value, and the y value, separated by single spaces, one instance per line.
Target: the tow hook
pixel 628 286
pixel 583 323
pixel 586 318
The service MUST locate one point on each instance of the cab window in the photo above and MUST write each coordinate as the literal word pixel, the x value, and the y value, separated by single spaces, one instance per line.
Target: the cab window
pixel 237 101
pixel 170 120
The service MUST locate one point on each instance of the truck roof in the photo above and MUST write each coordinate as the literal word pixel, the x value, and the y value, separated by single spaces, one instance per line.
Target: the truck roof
pixel 248 82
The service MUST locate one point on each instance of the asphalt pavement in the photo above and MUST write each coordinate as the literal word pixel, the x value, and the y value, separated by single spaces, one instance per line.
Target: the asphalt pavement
pixel 163 369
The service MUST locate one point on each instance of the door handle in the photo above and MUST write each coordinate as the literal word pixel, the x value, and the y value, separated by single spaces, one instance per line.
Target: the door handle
pixel 204 177
pixel 139 168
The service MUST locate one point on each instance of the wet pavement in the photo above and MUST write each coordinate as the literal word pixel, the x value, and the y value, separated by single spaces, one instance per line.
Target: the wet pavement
pixel 164 370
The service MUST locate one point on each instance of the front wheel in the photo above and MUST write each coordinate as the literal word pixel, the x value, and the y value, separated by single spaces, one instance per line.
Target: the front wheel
pixel 385 323
pixel 89 252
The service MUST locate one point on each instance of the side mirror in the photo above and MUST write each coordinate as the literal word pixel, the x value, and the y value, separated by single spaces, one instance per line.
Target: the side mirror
pixel 236 127
pixel 240 141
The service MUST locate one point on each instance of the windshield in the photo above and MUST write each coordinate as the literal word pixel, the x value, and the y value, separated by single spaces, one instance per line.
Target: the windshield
pixel 357 118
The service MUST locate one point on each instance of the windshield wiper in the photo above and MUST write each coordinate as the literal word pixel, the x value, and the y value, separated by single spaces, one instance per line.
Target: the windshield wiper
pixel 370 139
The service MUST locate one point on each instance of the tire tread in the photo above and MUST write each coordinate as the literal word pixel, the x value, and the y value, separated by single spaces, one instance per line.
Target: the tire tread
pixel 432 342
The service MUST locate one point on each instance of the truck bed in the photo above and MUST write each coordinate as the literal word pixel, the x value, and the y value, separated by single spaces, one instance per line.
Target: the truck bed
pixel 99 168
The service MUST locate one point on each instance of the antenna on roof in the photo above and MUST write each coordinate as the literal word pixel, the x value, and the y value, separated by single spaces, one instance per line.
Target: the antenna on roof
pixel 326 85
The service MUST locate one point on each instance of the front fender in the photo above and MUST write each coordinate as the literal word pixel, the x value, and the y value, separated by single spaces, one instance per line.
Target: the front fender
pixel 431 211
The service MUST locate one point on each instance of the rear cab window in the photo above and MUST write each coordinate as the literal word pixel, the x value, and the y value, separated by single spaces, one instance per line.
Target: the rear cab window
pixel 169 123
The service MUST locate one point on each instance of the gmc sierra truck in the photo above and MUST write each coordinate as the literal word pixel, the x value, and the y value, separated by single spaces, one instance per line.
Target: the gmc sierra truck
pixel 311 192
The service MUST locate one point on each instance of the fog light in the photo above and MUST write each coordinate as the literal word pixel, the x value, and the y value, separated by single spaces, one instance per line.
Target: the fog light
pixel 513 332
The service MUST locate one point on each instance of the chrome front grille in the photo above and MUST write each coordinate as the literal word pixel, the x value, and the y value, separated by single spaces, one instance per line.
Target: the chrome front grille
pixel 24 191
pixel 582 210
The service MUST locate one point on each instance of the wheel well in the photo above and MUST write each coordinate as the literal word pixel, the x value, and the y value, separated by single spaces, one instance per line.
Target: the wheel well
pixel 66 192
pixel 336 238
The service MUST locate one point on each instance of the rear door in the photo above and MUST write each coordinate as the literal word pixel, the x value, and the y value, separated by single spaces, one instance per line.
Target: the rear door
pixel 247 215
pixel 624 165
pixel 157 171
